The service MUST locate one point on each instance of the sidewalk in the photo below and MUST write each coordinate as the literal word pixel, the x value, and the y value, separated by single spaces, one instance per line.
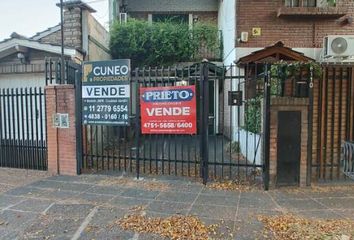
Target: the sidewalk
pixel 90 206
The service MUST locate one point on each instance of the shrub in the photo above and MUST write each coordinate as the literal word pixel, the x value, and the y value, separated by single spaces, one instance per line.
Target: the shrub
pixel 161 43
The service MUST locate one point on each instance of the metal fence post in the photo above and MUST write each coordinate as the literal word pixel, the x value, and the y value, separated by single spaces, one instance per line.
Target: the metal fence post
pixel 137 126
pixel 204 119
pixel 310 128
pixel 266 127
pixel 78 120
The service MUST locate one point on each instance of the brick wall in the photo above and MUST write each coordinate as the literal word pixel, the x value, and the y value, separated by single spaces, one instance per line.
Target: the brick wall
pixel 72 29
pixel 54 38
pixel 296 32
pixel 61 141
pixel 288 104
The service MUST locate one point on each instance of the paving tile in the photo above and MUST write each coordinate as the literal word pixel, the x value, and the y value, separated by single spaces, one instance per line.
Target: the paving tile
pixel 347 213
pixel 247 225
pixel 128 203
pixel 177 197
pixel 217 200
pixel 284 194
pixel 47 184
pixel 33 205
pixel 68 186
pixel 103 234
pixel 214 192
pixel 137 193
pixel 76 187
pixel 300 204
pixel 25 191
pixel 9 235
pixel 95 199
pixel 185 187
pixel 104 225
pixel 250 214
pixel 56 194
pixel 338 203
pixel 70 210
pixel 7 200
pixel 224 229
pixel 49 227
pixel 91 179
pixel 261 201
pixel 106 217
pixel 321 214
pixel 328 194
pixel 255 194
pixel 245 230
pixel 168 207
pixel 16 220
pixel 214 212
pixel 108 190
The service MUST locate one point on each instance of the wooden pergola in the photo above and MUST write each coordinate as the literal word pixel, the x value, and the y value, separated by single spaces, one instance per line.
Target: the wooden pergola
pixel 272 54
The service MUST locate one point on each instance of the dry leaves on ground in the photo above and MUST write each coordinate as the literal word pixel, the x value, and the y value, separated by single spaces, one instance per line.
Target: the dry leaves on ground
pixel 298 228
pixel 140 184
pixel 174 227
pixel 232 186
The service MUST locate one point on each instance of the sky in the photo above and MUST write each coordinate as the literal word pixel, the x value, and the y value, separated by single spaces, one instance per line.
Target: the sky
pixel 27 17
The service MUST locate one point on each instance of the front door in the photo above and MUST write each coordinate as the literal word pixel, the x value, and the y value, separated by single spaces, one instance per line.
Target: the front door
pixel 288 148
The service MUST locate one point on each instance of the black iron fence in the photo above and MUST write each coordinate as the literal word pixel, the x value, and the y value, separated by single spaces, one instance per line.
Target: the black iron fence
pixel 53 71
pixel 23 128
pixel 348 159
pixel 225 146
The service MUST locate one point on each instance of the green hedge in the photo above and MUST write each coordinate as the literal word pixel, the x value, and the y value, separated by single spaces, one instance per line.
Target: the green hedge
pixel 253 115
pixel 161 43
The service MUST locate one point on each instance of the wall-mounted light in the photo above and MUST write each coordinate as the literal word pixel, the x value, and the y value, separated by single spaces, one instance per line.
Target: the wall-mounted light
pixel 22 57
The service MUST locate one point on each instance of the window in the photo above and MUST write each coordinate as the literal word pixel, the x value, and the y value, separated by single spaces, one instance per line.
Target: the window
pixel 309 3
pixel 177 18
pixel 300 3
pixel 292 3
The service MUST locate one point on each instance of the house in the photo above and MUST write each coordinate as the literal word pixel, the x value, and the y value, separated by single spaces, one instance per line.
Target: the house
pixel 259 32
pixel 27 65
pixel 299 24
pixel 22 59
pixel 189 11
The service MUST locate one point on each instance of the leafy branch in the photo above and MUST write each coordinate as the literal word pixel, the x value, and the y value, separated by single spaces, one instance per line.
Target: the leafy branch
pixel 162 43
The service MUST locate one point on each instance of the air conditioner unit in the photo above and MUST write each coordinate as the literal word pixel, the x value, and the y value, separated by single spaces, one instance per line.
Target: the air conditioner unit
pixel 123 17
pixel 338 46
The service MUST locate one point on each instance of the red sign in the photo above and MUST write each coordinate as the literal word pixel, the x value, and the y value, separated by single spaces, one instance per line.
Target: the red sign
pixel 168 110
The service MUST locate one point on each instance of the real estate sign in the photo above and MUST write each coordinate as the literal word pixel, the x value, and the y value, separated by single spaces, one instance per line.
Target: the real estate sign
pixel 106 92
pixel 168 110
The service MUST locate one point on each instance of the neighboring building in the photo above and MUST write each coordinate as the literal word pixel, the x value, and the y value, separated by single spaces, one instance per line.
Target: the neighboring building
pixel 299 24
pixel 22 60
pixel 188 11
pixel 295 31
pixel 256 32
pixel 180 11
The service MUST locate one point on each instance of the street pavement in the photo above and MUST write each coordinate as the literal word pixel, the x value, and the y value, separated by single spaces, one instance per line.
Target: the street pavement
pixel 89 206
